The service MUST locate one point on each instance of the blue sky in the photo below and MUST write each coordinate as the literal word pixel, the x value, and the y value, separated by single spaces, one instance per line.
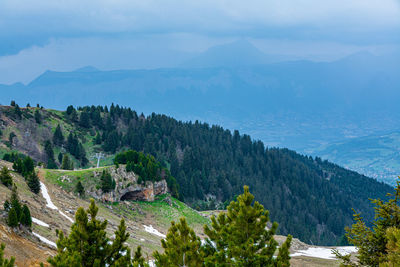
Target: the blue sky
pixel 65 35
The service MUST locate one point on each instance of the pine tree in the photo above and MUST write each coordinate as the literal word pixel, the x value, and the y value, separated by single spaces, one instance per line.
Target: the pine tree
pixel 58 137
pixel 372 243
pixel 33 182
pixel 181 247
pixel 88 244
pixel 6 177
pixel 4 262
pixel 66 163
pixel 97 140
pixel 48 148
pixel 84 120
pixel 26 218
pixel 14 201
pixel 241 236
pixel 80 189
pixel 17 111
pixel 60 157
pixel 393 247
pixel 18 165
pixel 28 166
pixel 12 220
pixel 38 117
pixel 107 182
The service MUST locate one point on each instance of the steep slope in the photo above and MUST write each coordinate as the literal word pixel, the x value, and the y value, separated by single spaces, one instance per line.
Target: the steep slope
pixel 147 222
pixel 310 198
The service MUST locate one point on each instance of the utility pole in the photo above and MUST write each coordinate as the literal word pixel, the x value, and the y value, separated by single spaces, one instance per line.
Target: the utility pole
pixel 98 156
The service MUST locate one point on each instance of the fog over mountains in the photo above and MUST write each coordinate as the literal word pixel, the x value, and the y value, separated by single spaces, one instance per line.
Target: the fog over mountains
pixel 295 104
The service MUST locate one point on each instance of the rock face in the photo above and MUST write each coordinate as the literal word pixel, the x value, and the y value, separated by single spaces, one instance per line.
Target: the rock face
pixel 127 187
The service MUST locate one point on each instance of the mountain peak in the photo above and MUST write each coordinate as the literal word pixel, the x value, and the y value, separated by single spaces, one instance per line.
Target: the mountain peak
pixel 87 69
pixel 238 53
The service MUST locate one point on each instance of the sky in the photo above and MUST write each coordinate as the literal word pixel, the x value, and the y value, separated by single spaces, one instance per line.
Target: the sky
pixel 65 35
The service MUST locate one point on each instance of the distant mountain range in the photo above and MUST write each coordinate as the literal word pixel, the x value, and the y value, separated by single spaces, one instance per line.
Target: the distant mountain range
pixel 295 104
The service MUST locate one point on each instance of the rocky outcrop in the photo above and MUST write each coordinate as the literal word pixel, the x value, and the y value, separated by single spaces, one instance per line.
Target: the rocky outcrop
pixel 127 187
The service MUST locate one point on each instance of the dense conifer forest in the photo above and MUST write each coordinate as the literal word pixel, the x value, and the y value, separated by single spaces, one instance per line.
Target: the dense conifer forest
pixel 309 198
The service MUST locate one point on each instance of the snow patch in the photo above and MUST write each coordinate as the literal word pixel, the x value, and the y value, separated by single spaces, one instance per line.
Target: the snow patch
pixel 323 253
pixel 66 216
pixel 50 203
pixel 45 240
pixel 46 196
pixel 153 231
pixel 39 222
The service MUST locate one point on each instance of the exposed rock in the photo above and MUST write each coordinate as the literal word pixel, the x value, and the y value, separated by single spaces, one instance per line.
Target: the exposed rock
pixel 127 187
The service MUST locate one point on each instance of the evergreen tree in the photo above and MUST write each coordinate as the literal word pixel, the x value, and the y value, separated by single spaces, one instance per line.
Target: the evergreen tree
pixel 107 182
pixel 393 248
pixel 33 182
pixel 18 165
pixel 12 220
pixel 6 177
pixel 60 157
pixel 84 120
pixel 67 164
pixel 58 137
pixel 97 140
pixel 88 244
pixel 26 218
pixel 28 166
pixel 15 204
pixel 5 262
pixel 372 243
pixel 80 189
pixel 181 247
pixel 48 148
pixel 241 236
pixel 17 111
pixel 7 205
pixel 38 117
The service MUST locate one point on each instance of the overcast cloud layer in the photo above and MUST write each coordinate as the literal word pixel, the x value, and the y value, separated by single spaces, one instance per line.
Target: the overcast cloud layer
pixel 61 35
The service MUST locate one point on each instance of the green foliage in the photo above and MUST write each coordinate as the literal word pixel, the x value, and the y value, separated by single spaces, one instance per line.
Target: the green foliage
pixel 17 112
pixel 13 156
pixel 28 166
pixel 75 148
pixel 33 182
pixel 38 117
pixel 147 168
pixel 80 189
pixel 241 238
pixel 26 218
pixel 4 262
pixel 84 120
pixel 5 177
pixel 48 148
pixel 7 205
pixel 393 247
pixel 88 244
pixel 12 220
pixel 97 140
pixel 58 137
pixel 66 164
pixel 181 247
pixel 107 182
pixel 372 243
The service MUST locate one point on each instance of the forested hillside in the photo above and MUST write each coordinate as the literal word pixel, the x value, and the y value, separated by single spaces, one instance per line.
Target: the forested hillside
pixel 310 199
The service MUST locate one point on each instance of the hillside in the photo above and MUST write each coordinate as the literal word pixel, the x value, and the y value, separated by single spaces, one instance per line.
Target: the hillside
pixel 310 199
pixel 147 222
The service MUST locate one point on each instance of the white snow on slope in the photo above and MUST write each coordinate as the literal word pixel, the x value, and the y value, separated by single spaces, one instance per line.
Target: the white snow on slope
pixel 153 231
pixel 45 240
pixel 323 253
pixel 50 203
pixel 39 222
